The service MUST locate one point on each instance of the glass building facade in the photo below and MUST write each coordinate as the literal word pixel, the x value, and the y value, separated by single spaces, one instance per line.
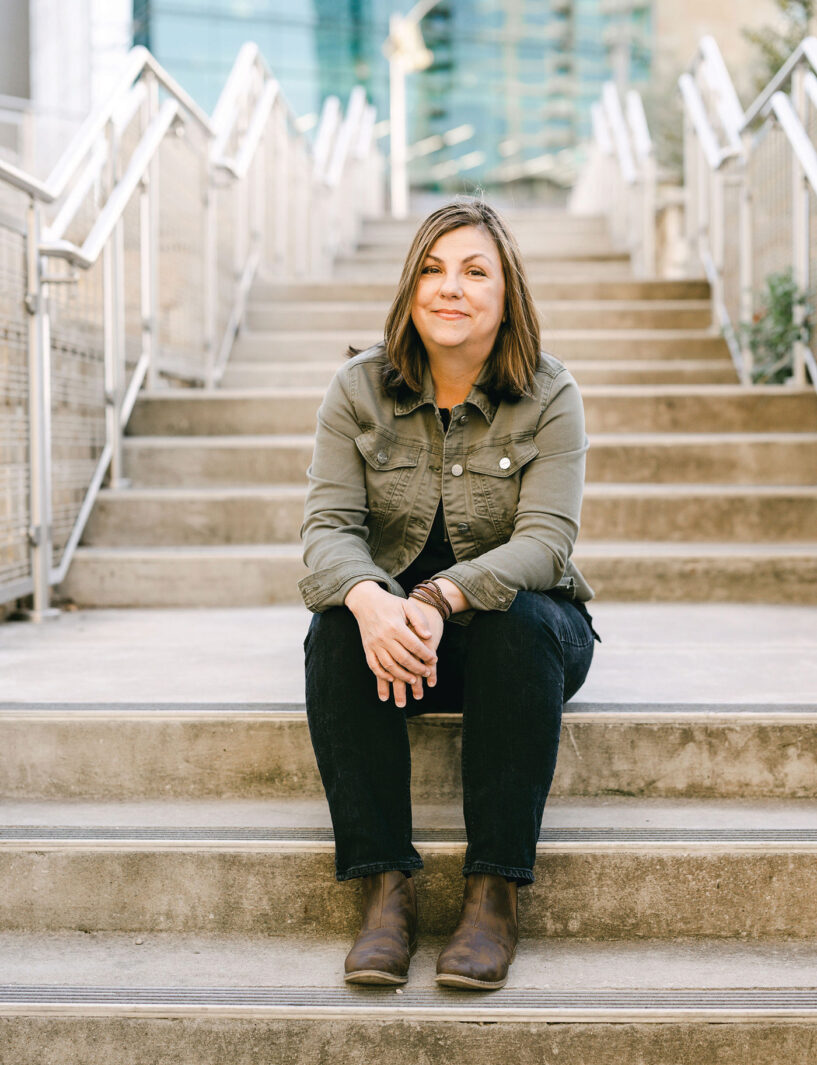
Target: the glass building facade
pixel 514 79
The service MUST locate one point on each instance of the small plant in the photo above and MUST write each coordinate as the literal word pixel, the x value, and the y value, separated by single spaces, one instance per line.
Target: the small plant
pixel 772 333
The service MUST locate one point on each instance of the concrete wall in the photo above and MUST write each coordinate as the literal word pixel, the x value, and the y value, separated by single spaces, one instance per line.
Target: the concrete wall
pixel 14 79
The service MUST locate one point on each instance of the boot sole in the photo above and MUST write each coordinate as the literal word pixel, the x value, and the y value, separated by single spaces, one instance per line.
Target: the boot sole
pixel 374 976
pixel 378 976
pixel 455 980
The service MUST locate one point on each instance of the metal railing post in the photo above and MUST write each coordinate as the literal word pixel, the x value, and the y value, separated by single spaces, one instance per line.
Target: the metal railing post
pixel 745 256
pixel 210 242
pixel 800 226
pixel 114 322
pixel 40 532
pixel 149 243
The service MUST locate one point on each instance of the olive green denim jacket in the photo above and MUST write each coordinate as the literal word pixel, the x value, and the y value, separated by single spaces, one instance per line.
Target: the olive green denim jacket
pixel 511 476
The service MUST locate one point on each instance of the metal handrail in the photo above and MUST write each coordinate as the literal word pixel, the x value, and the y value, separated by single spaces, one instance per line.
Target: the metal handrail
pixel 624 174
pixel 283 214
pixel 720 142
pixel 706 183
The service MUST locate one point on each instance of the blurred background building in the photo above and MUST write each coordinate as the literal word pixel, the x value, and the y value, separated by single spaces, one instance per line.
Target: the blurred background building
pixel 506 98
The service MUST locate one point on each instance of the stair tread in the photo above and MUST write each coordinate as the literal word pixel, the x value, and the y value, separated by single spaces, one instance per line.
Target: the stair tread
pixel 591 488
pixel 728 653
pixel 597 548
pixel 616 821
pixel 77 969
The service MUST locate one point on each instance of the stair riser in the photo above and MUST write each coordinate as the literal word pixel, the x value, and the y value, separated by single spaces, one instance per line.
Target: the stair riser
pixel 123 760
pixel 262 890
pixel 676 461
pixel 259 1037
pixel 345 316
pixel 253 375
pixel 317 347
pixel 212 463
pixel 122 521
pixel 553 290
pixel 606 413
pixel 191 580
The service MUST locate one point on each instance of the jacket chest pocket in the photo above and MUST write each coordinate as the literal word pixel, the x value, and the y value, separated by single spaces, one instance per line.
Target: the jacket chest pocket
pixel 496 475
pixel 389 467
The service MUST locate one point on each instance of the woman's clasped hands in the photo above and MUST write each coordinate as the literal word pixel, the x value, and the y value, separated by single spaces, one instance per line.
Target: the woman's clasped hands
pixel 400 639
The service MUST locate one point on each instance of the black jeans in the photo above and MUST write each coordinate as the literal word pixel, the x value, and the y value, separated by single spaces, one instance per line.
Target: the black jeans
pixel 508 672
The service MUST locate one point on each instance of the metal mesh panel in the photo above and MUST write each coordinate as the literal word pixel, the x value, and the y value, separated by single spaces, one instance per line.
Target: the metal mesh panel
pixel 15 515
pixel 77 393
pixel 181 253
pixel 770 173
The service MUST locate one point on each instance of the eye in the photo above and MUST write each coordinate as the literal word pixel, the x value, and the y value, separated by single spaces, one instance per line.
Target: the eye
pixel 476 270
pixel 428 269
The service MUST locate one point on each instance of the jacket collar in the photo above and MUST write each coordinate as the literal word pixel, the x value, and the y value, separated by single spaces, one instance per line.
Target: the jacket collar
pixel 477 397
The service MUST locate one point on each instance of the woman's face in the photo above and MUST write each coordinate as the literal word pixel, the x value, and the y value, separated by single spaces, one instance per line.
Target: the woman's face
pixel 460 296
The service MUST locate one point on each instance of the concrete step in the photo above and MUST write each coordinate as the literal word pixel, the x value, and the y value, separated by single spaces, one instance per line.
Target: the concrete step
pixel 725 868
pixel 586 371
pixel 615 266
pixel 274 514
pixel 710 654
pixel 187 750
pixel 624 571
pixel 538 252
pixel 570 289
pixel 555 314
pixel 608 408
pixel 683 458
pixel 649 344
pixel 162 997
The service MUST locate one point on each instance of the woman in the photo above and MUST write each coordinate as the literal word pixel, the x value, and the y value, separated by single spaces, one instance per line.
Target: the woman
pixel 444 499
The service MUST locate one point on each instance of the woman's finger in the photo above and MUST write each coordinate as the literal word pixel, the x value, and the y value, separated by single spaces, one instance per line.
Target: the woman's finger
pixel 400 693
pixel 383 689
pixel 388 662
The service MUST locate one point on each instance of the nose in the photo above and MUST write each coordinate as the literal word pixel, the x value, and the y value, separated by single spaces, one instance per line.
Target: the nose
pixel 450 285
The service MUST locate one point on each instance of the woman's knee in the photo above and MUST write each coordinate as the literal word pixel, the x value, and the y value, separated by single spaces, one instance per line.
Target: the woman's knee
pixel 530 615
pixel 334 633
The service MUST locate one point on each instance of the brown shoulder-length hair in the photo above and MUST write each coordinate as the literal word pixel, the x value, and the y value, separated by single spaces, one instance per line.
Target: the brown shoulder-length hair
pixel 515 354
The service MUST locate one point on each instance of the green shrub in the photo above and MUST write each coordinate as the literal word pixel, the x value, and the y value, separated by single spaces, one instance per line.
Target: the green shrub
pixel 772 333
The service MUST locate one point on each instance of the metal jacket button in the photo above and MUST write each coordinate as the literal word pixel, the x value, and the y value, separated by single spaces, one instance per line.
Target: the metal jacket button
pixel 463 527
pixel 504 463
pixel 463 419
pixel 382 456
pixel 456 470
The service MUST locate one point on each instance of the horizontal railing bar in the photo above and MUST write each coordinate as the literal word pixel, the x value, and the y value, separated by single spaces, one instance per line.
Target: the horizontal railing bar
pixel 252 138
pixel 806 50
pixel 113 210
pixel 797 136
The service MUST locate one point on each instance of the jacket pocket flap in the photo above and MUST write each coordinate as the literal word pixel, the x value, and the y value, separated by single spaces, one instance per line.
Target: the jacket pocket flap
pixel 384 453
pixel 502 460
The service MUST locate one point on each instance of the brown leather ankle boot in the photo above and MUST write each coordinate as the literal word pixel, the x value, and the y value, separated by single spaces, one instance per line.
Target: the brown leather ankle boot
pixel 388 935
pixel 484 942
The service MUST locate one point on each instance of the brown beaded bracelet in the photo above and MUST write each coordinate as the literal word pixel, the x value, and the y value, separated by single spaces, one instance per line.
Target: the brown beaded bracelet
pixel 429 592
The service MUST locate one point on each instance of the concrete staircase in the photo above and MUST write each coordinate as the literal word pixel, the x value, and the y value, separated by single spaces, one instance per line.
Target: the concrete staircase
pixel 697 488
pixel 166 874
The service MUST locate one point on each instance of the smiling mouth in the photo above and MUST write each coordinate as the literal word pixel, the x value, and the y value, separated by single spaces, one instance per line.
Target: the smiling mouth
pixel 451 314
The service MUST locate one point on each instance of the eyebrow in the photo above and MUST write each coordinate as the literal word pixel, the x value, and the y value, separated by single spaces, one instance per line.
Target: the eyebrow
pixel 467 259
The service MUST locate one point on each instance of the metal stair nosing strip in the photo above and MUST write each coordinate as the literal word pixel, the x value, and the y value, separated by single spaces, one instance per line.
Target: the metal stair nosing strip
pixel 617 839
pixel 588 1004
pixel 714 713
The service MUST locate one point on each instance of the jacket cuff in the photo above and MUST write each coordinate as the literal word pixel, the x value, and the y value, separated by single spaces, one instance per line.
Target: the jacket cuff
pixel 329 587
pixel 479 586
